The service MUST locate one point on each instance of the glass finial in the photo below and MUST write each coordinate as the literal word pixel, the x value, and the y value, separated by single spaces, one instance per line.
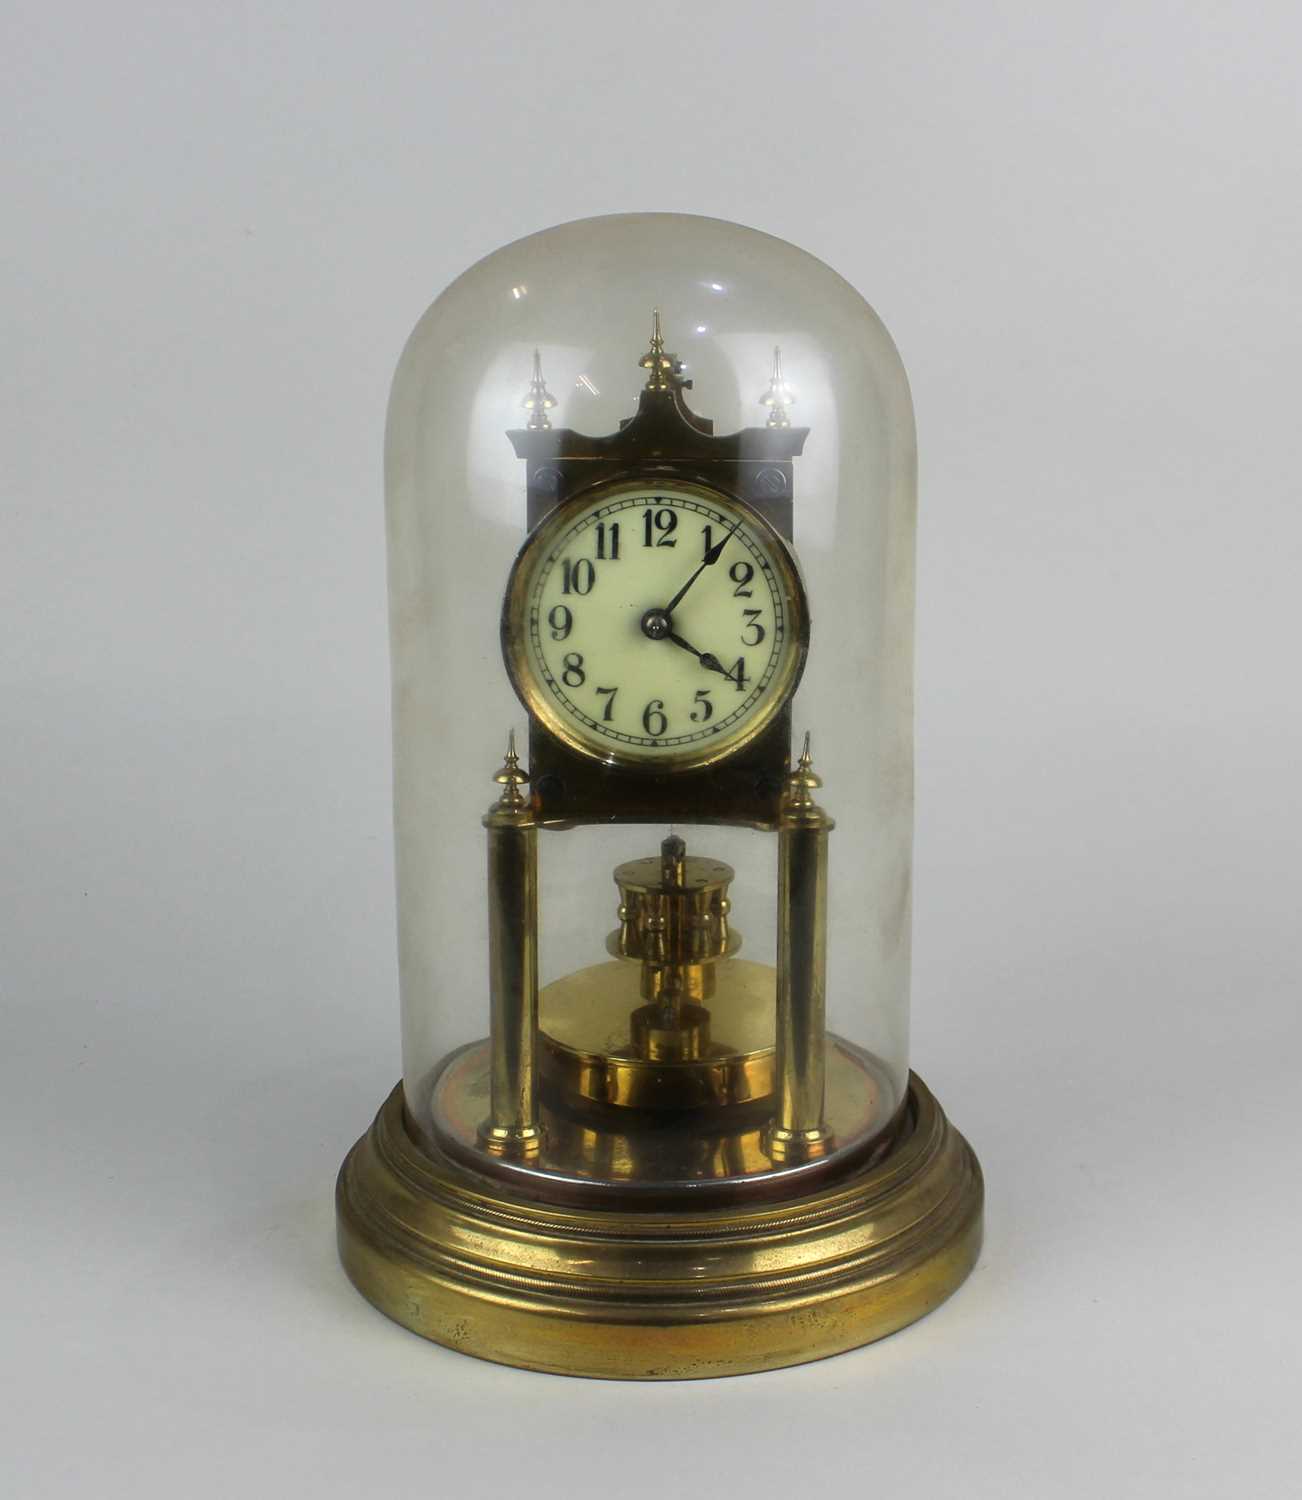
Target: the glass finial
pixel 540 400
pixel 778 396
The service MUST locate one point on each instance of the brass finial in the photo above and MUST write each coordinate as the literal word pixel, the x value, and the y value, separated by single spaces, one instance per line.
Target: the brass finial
pixel 540 400
pixel 660 367
pixel 779 395
pixel 511 778
pixel 803 781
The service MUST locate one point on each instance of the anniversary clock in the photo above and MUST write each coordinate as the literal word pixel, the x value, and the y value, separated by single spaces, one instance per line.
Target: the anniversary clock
pixel 650 507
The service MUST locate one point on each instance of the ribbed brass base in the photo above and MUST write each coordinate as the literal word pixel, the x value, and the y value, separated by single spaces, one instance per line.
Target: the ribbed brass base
pixel 641 1295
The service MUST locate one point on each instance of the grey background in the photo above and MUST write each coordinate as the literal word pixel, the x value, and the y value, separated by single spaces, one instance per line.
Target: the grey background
pixel 1081 223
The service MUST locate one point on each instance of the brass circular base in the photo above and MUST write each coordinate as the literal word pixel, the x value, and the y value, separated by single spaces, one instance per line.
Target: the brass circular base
pixel 473 1263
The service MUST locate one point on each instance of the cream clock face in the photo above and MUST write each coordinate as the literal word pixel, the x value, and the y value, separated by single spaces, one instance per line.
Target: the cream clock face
pixel 654 622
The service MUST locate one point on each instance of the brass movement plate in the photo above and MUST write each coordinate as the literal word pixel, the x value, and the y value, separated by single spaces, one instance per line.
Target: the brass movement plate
pixel 484 1268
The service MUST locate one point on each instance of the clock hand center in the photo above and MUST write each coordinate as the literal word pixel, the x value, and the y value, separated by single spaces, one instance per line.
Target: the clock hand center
pixel 656 624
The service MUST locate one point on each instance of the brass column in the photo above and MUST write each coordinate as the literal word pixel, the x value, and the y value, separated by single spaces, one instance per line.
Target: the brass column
pixel 512 1127
pixel 798 1130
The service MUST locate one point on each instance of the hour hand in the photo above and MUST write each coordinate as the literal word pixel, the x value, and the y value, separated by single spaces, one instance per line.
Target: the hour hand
pixel 706 658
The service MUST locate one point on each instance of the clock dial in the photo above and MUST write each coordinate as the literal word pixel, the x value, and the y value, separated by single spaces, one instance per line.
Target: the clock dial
pixel 655 623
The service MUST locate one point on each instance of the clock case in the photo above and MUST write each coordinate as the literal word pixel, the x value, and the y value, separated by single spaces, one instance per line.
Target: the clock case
pixel 665 439
pixel 646 1237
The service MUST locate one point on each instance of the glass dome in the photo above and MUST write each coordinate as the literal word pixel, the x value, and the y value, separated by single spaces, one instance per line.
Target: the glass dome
pixel 650 497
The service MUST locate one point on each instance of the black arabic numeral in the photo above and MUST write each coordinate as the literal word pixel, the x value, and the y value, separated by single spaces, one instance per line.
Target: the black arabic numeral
pixel 704 710
pixel 707 536
pixel 665 521
pixel 741 574
pixel 654 720
pixel 574 675
pixel 738 673
pixel 577 577
pixel 561 621
pixel 610 703
pixel 752 632
pixel 607 537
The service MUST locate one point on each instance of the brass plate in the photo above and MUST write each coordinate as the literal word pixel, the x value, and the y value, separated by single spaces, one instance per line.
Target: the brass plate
pixel 589 1156
pixel 481 1267
pixel 586 1052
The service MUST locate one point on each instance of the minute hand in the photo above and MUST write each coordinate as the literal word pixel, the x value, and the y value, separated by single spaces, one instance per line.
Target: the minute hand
pixel 711 557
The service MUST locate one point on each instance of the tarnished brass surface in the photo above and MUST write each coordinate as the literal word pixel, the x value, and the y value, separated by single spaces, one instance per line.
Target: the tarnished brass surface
pixel 510 1127
pixel 587 1050
pixel 800 1126
pixel 481 1267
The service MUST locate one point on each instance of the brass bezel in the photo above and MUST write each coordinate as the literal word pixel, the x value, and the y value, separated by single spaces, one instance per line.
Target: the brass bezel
pixel 514 625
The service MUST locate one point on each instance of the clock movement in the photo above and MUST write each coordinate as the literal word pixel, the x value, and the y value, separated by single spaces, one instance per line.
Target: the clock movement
pixel 656 1118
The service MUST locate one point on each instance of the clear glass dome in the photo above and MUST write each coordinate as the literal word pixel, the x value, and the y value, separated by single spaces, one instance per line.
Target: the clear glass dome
pixel 553 471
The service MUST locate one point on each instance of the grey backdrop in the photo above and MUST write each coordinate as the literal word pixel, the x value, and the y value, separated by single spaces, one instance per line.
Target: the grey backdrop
pixel 1082 224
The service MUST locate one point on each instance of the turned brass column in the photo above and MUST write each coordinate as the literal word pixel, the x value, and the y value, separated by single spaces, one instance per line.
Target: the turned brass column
pixel 799 1130
pixel 512 1127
